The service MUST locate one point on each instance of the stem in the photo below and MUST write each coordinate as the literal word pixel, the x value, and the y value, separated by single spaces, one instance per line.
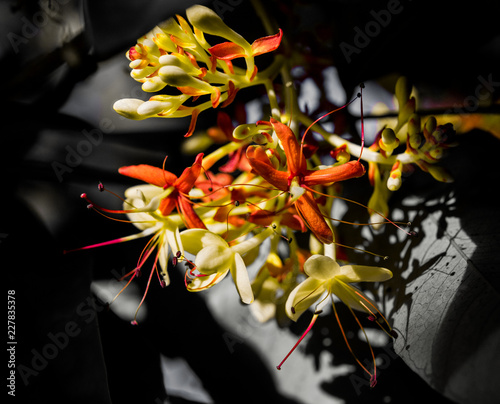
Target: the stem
pixel 273 100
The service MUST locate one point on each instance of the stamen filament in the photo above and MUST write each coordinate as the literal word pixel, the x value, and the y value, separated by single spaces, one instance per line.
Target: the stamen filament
pixel 313 320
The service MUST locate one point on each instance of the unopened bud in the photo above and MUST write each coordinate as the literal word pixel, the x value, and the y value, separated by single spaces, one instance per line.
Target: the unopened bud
pixel 209 22
pixel 388 141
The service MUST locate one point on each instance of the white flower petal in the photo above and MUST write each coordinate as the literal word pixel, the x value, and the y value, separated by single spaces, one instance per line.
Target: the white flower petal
pixel 303 296
pixel 194 240
pixel 321 267
pixel 362 273
pixel 241 280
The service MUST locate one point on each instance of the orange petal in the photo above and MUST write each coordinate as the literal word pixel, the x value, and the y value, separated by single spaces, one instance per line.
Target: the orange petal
pixel 227 51
pixel 215 97
pixel 260 163
pixel 296 162
pixel 151 175
pixel 309 211
pixel 191 218
pixel 189 176
pixel 192 124
pixel 167 204
pixel 351 169
pixel 267 44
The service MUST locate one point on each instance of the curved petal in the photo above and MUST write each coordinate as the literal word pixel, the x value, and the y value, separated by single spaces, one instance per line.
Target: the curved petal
pixel 362 273
pixel 267 44
pixel 174 240
pixel 214 258
pixel 303 296
pixel 309 211
pixel 189 176
pixel 351 169
pixel 163 260
pixel 240 276
pixel 204 282
pixel 152 175
pixel 352 296
pixel 296 161
pixel 190 216
pixel 227 51
pixel 321 267
pixel 194 240
pixel 261 164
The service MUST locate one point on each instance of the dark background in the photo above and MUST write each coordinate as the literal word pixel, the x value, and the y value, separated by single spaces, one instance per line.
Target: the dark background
pixel 441 46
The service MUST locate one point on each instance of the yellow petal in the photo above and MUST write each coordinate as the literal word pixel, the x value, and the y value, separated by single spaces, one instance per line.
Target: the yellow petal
pixel 362 273
pixel 321 267
pixel 241 280
pixel 194 240
pixel 214 258
pixel 304 296
pixel 352 296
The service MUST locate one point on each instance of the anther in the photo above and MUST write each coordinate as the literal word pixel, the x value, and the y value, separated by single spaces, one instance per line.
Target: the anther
pixel 386 258
pixel 174 261
pixel 292 309
pixel 178 254
pixel 236 203
pixel 90 206
pixel 134 322
pixel 394 334
pixel 100 187
pixel 413 233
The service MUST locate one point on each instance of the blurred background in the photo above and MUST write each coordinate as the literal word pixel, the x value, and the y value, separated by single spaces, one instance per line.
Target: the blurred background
pixel 63 66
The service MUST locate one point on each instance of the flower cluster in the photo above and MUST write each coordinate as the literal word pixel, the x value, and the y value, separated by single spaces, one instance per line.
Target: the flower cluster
pixel 265 183
pixel 176 55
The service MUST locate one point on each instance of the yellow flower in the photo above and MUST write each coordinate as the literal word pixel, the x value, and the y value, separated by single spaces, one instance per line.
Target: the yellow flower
pixel 327 278
pixel 215 258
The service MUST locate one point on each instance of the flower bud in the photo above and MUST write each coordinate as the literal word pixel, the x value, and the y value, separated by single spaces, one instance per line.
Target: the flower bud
pixel 177 77
pixel 127 107
pixel 153 84
pixel 388 141
pixel 209 22
pixel 402 91
pixel 394 181
pixel 429 127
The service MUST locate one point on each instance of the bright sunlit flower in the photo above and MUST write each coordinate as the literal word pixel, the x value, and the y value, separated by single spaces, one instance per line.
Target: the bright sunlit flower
pixel 215 258
pixel 327 278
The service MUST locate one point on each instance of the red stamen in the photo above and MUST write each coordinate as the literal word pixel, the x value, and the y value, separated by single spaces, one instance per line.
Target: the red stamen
pixel 313 320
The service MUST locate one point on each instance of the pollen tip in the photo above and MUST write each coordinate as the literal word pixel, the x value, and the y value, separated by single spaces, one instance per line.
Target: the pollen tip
pixel 413 233
pixel 394 334
pixel 83 196
pixel 100 187
pixel 292 309
pixel 386 257
pixel 134 322
pixel 278 367
pixel 174 261
pixel 90 206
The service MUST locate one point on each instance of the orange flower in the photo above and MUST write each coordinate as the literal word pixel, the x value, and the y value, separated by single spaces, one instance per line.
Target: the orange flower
pixel 298 179
pixel 180 187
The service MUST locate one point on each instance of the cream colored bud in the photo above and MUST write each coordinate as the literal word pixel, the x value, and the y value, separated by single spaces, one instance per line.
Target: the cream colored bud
pixel 394 183
pixel 177 77
pixel 127 107
pixel 153 84
pixel 209 22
